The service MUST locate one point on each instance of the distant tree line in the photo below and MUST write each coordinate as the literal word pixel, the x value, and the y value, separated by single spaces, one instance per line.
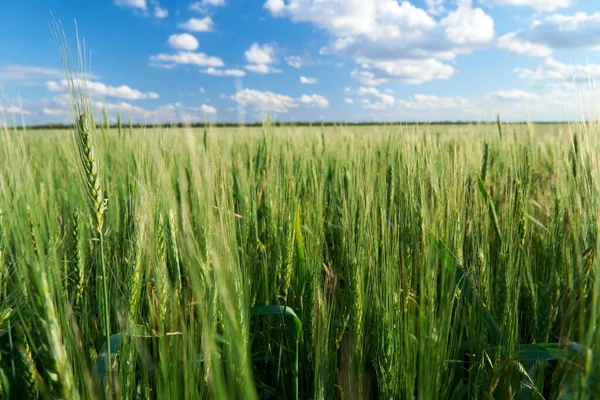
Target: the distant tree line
pixel 288 124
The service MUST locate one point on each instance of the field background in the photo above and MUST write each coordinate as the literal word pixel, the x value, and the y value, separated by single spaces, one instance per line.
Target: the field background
pixel 397 262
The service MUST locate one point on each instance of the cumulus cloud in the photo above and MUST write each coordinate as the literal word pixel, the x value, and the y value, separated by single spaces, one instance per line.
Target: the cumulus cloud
pixel 388 31
pixel 261 102
pixel 58 108
pixel 141 8
pixel 204 109
pixel 14 110
pixel 185 58
pixel 99 89
pixel 511 96
pixel 552 71
pixel 197 5
pixel 203 6
pixel 295 61
pixel 367 77
pixel 513 44
pixel 160 12
pixel 275 7
pixel 374 73
pixel 259 58
pixel 308 81
pixel 539 5
pixel 431 102
pixel 264 101
pixel 348 100
pixel 468 26
pixel 262 69
pixel 205 24
pixel 258 54
pixel 30 73
pixel 435 7
pixel 119 107
pixel 314 100
pixel 183 41
pixel 384 100
pixel 140 4
pixel 556 31
pixel 54 111
pixel 167 113
pixel 223 72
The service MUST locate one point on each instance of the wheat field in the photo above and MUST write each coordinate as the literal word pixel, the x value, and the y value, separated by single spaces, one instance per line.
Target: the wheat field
pixel 393 262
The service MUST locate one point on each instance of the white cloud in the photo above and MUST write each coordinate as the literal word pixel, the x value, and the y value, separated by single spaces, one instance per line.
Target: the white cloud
pixel 14 72
pixel 367 77
pixel 372 18
pixel 314 100
pixel 264 101
pixel 557 31
pixel 160 12
pixel 513 44
pixel 431 102
pixel 223 72
pixel 204 109
pixel 468 26
pixel 58 109
pixel 54 111
pixel 198 7
pixel 167 113
pixel 511 96
pixel 435 7
pixel 201 90
pixel 141 4
pixel 382 33
pixel 53 86
pixel 275 7
pixel 308 81
pixel 214 3
pixel 295 61
pixel 141 8
pixel 122 107
pixel 375 73
pixel 258 54
pixel 539 5
pixel 552 71
pixel 348 100
pixel 183 41
pixel 185 58
pixel 259 59
pixel 98 89
pixel 205 24
pixel 14 110
pixel 262 69
pixel 261 103
pixel 384 102
pixel 202 6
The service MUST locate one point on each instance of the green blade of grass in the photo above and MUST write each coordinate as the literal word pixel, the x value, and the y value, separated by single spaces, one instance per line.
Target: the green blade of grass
pixel 300 255
pixel 465 284
pixel 490 205
pixel 279 310
pixel 543 351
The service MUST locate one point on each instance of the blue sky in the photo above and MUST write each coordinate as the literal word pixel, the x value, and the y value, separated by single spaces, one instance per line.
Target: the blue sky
pixel 306 60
